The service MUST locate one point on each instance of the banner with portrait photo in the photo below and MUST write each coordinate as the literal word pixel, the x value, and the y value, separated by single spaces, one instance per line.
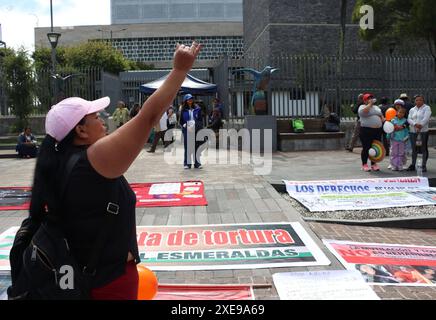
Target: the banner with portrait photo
pixel 388 264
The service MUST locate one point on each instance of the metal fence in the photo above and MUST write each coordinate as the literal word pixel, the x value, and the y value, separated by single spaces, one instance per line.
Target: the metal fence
pixel 302 87
pixel 305 85
pixel 85 83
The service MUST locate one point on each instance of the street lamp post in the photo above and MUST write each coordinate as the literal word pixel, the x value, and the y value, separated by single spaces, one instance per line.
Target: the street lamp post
pixel 3 108
pixel 53 38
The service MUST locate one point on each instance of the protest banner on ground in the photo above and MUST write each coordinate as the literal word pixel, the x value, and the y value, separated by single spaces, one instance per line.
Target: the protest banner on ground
pixel 388 264
pixel 232 246
pixel 323 285
pixel 169 194
pixel 212 247
pixel 204 292
pixel 361 194
pixel 157 194
pixel 174 291
pixel 5 282
pixel 15 198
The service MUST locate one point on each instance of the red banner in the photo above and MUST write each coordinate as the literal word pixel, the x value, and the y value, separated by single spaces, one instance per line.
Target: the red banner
pixel 157 194
pixel 169 194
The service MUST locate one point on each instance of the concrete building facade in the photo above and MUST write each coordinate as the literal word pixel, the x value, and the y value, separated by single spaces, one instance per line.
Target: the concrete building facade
pixel 147 11
pixel 148 30
pixel 154 43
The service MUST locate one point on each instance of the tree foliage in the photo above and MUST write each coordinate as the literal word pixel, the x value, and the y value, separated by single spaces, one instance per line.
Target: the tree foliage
pixel 94 54
pixel 18 84
pixel 399 21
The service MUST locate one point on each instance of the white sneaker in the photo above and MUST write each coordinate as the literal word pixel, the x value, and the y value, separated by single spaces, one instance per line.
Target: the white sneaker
pixel 390 167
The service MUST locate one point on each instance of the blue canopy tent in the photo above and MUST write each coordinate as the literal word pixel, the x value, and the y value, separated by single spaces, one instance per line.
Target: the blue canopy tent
pixel 191 85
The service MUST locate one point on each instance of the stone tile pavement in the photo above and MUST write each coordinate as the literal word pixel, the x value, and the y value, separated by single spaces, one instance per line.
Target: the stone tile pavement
pixel 236 195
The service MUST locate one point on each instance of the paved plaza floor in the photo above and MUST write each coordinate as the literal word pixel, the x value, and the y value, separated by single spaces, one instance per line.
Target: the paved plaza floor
pixel 235 194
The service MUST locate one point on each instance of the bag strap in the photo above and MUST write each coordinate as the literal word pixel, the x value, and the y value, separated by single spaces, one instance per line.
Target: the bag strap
pixel 111 214
pixel 112 210
pixel 68 169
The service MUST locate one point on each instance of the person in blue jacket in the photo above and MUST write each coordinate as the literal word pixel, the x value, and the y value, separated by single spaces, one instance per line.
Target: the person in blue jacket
pixel 191 121
pixel 27 146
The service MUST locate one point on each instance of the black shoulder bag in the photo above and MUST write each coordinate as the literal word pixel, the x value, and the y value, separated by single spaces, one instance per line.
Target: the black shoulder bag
pixel 42 265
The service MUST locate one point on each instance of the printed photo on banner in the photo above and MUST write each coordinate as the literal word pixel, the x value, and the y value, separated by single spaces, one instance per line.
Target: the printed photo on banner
pixel 360 194
pixel 388 264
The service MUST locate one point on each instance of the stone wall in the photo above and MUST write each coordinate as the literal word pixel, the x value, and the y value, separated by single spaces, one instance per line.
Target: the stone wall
pixel 301 26
pixel 256 18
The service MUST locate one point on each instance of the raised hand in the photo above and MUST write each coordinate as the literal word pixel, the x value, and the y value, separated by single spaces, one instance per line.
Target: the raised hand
pixel 184 56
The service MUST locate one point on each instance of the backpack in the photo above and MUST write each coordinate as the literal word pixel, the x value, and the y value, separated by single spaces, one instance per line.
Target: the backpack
pixel 332 123
pixel 297 125
pixel 42 265
pixel 334 118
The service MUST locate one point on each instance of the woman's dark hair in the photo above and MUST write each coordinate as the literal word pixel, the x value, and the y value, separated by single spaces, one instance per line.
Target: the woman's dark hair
pixel 186 106
pixel 51 160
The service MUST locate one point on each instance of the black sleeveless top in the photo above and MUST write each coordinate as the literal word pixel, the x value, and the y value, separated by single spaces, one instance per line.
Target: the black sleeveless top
pixel 85 200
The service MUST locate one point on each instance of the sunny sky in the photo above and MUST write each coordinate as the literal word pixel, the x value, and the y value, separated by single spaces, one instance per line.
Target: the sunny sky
pixel 18 18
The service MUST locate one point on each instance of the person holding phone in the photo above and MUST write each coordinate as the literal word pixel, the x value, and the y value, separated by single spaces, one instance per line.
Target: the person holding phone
pixel 371 122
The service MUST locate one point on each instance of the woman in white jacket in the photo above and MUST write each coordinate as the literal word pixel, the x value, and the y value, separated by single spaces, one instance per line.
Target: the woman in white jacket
pixel 419 118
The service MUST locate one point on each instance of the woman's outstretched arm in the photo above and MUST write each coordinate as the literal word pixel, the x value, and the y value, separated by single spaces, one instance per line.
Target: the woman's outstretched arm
pixel 112 155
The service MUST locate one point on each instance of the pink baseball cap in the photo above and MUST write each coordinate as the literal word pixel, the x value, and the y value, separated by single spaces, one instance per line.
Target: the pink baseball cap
pixel 65 115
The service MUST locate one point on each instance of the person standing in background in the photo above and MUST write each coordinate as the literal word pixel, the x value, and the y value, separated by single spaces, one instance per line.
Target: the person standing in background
pixel 356 130
pixel 407 104
pixel 159 133
pixel 121 114
pixel 371 121
pixel 384 106
pixel 419 118
pixel 134 111
pixel 171 122
pixel 191 122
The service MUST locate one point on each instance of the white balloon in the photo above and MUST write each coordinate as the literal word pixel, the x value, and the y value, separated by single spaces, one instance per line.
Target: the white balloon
pixel 372 152
pixel 388 127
